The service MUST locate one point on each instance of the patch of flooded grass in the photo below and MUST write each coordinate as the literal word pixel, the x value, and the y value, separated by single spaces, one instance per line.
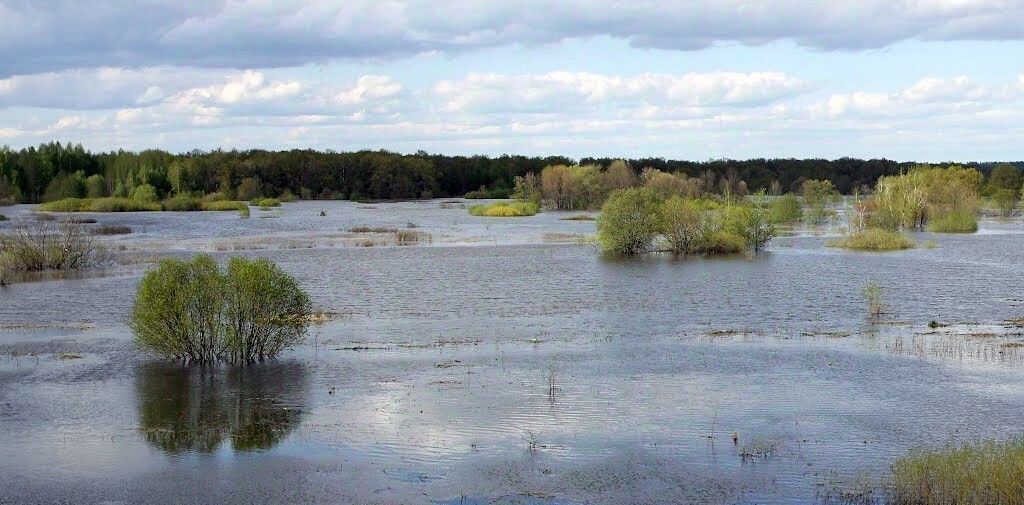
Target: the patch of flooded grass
pixel 972 473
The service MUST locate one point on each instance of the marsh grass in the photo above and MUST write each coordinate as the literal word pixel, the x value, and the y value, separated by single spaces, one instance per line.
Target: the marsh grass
pixel 971 473
pixel 505 209
pixel 268 203
pixel 409 237
pixel 955 221
pixel 873 239
pixel 578 217
pixel 372 229
pixel 108 229
pixel 872 294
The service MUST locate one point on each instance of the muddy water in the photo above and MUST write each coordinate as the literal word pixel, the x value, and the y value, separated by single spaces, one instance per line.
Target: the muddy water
pixel 499 361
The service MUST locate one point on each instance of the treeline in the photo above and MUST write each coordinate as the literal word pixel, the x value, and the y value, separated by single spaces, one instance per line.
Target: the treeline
pixel 54 171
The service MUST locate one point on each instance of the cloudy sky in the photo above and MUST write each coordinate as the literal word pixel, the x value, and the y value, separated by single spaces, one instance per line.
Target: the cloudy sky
pixel 928 80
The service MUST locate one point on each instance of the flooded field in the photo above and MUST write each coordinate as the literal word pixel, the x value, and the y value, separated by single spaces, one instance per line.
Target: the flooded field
pixel 499 360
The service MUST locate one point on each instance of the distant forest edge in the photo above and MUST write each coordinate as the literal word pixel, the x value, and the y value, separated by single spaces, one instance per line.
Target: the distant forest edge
pixel 54 171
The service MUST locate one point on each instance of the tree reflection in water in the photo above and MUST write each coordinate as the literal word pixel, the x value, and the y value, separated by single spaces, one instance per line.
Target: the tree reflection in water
pixel 195 409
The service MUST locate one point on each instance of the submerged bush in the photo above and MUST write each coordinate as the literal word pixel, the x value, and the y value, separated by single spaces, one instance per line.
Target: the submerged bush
pixel 785 209
pixel 506 209
pixel 46 245
pixel 181 203
pixel 267 203
pixel 110 204
pixel 629 221
pixel 954 221
pixel 194 311
pixel 873 239
pixel 974 473
pixel 225 205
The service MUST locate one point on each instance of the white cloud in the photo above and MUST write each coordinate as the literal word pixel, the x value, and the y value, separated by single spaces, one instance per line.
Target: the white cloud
pixel 51 35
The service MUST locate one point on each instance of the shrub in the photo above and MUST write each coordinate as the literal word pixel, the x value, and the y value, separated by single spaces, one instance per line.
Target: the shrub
pixel 46 245
pixel 505 209
pixel 268 203
pixel 181 203
pixel 485 194
pixel 629 221
pixel 3 217
pixel 954 221
pixel 121 205
pixel 785 209
pixel 872 294
pixel 193 311
pixel 214 197
pixel 144 193
pixel 973 473
pixel 287 196
pixel 873 239
pixel 224 205
pixel 65 205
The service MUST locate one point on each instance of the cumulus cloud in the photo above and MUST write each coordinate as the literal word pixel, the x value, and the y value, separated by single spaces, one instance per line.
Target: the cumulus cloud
pixel 46 35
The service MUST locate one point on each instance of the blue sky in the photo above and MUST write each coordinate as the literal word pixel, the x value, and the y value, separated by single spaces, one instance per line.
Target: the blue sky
pixel 927 80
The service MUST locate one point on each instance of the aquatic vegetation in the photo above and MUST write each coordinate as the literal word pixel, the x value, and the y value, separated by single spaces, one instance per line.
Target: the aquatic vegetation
pixel 759 449
pixel 372 229
pixel 578 217
pixel 109 229
pixel 954 221
pixel 34 246
pixel 873 239
pixel 630 219
pixel 818 196
pixel 872 294
pixel 225 205
pixel 505 209
pixel 109 204
pixel 268 203
pixel 182 203
pixel 971 473
pixel 487 194
pixel 785 209
pixel 192 311
pixel 3 217
pixel 409 237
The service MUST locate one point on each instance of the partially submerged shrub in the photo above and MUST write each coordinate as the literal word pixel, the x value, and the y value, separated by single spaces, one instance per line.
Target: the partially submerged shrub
pixel 181 203
pixel 785 209
pixel 3 217
pixel 225 205
pixel 954 221
pixel 110 204
pixel 506 209
pixel 629 221
pixel 33 246
pixel 268 203
pixel 972 473
pixel 194 311
pixel 872 294
pixel 873 239
pixel 711 227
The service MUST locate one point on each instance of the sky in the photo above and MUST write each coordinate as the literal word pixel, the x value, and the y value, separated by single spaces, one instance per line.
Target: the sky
pixel 911 80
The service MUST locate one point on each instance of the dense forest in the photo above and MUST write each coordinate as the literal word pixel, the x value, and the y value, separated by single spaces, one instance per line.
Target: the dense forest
pixel 54 170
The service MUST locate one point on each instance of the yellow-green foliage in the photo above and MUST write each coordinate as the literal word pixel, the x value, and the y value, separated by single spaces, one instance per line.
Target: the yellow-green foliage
pixel 268 203
pixel 954 221
pixel 225 205
pixel 505 209
pixel 629 221
pixel 181 203
pixel 873 239
pixel 111 204
pixel 977 473
pixel 785 209
pixel 706 226
pixel 913 199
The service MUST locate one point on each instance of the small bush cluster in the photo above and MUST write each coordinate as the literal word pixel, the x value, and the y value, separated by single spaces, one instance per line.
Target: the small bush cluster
pixel 633 218
pixel 196 312
pixel 46 245
pixel 954 221
pixel 873 239
pixel 506 209
pixel 785 209
pixel 109 204
pixel 267 203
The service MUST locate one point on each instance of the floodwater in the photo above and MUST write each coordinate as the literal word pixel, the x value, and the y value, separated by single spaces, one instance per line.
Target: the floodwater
pixel 506 361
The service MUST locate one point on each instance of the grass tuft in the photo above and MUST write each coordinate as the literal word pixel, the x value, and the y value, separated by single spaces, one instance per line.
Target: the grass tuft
pixel 505 209
pixel 873 239
pixel 974 473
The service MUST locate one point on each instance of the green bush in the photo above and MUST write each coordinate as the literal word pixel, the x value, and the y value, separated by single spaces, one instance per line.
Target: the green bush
pixel 973 473
pixel 785 209
pixel 268 203
pixel 287 196
pixel 195 312
pixel 144 193
pixel 3 217
pixel 873 239
pixel 181 203
pixel 954 221
pixel 110 204
pixel 629 221
pixel 224 205
pixel 506 209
